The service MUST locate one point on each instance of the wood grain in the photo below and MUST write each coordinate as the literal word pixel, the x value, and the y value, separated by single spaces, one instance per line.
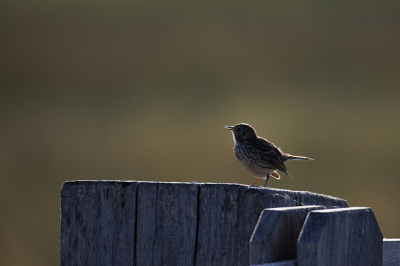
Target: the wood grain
pixel 346 237
pixel 391 252
pixel 158 223
pixel 276 234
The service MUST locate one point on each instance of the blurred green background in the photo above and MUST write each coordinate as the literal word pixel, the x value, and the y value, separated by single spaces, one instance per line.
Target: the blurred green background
pixel 141 90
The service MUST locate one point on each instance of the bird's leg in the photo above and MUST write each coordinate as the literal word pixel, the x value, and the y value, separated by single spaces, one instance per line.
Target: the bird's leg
pixel 256 181
pixel 266 181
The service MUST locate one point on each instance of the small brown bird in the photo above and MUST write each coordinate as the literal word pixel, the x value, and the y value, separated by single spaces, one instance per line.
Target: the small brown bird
pixel 259 156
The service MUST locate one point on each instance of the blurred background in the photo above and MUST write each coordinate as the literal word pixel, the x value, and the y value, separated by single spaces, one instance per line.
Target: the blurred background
pixel 141 90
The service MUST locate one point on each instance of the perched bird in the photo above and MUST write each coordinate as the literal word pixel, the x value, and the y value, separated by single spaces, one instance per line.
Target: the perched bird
pixel 259 156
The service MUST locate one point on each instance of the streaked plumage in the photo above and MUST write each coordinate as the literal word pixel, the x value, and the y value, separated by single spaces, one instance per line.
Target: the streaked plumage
pixel 259 156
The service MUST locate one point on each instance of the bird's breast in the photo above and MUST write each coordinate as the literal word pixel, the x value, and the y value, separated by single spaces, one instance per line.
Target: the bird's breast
pixel 250 160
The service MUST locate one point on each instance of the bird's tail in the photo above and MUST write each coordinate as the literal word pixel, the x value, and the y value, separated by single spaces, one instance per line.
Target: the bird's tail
pixel 293 157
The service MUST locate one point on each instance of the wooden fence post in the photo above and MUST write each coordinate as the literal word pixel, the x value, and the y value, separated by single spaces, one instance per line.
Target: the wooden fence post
pixel 276 233
pixel 156 223
pixel 346 237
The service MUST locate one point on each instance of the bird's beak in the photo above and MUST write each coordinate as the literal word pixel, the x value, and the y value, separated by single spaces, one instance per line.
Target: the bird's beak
pixel 231 128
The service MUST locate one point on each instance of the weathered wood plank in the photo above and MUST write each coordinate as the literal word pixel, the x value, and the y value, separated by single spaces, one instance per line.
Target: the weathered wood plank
pixel 218 218
pixel 175 224
pixel 346 237
pixel 124 219
pixel 156 223
pixel 146 222
pixel 88 230
pixel 276 233
pixel 391 251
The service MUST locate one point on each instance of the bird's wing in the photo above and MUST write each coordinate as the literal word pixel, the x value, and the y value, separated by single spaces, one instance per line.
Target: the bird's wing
pixel 271 154
pixel 272 158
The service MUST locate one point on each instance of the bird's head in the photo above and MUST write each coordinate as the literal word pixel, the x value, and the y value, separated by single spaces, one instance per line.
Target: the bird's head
pixel 242 132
